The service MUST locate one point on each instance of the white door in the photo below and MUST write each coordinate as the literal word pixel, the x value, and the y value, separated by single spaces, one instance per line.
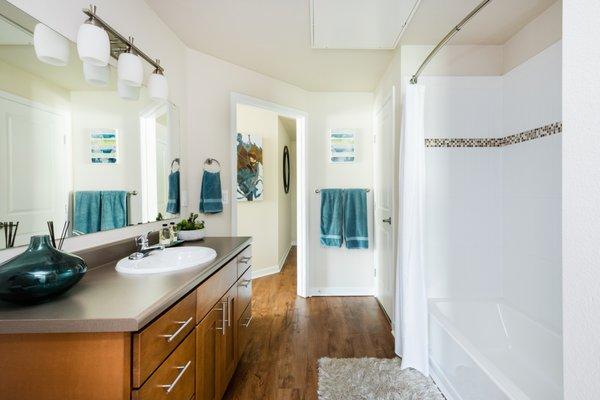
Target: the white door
pixel 384 203
pixel 33 173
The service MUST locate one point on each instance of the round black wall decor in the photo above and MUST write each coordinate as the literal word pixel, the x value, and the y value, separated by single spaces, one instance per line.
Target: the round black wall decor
pixel 286 169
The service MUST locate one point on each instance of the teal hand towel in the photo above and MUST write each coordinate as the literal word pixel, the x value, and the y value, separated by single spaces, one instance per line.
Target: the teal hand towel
pixel 113 209
pixel 331 217
pixel 356 229
pixel 173 204
pixel 86 212
pixel 211 201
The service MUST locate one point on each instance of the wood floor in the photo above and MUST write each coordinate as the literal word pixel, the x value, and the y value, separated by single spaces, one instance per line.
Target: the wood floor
pixel 291 333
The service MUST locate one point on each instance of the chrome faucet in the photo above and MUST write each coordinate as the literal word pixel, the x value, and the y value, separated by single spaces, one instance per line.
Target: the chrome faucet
pixel 143 248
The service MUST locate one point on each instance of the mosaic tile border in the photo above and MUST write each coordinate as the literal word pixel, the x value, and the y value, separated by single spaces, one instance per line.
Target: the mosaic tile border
pixel 543 131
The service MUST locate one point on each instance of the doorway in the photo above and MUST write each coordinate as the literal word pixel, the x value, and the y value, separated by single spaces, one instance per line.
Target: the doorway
pixel 260 206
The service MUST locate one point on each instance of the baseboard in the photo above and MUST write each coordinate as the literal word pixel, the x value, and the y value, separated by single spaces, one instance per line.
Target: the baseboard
pixel 442 381
pixel 266 271
pixel 275 269
pixel 342 291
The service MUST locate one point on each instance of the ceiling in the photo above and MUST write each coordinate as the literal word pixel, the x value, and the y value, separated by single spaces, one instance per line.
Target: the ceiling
pixel 494 25
pixel 273 37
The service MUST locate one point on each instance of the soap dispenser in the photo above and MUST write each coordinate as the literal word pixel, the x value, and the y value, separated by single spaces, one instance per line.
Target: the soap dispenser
pixel 164 235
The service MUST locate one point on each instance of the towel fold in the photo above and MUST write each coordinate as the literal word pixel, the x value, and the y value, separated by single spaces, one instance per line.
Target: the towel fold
pixel 356 228
pixel 113 209
pixel 331 217
pixel 86 212
pixel 173 203
pixel 211 201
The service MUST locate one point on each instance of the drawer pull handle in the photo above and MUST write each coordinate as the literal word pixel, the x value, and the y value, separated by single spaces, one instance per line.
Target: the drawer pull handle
pixel 245 282
pixel 247 324
pixel 245 260
pixel 229 307
pixel 183 324
pixel 223 309
pixel 169 388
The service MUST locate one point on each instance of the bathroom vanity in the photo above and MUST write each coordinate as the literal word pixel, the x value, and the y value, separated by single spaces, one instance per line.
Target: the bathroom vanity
pixel 113 336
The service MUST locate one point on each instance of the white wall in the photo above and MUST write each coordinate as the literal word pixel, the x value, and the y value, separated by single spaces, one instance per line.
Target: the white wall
pixel 340 271
pixel 581 196
pixel 463 222
pixel 531 195
pixel 259 219
pixel 285 208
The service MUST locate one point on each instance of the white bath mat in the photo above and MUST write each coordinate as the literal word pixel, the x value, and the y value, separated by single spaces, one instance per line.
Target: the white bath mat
pixel 372 379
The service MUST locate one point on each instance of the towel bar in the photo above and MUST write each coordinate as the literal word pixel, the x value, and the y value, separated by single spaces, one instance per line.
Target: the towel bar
pixel 319 190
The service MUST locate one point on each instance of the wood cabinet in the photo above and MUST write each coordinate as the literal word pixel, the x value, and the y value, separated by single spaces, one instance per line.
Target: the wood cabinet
pixel 190 351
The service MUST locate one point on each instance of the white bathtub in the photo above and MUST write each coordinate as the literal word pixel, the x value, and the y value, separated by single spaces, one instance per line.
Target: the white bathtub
pixel 486 350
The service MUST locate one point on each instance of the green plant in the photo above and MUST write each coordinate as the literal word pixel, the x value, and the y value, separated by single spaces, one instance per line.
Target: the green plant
pixel 190 224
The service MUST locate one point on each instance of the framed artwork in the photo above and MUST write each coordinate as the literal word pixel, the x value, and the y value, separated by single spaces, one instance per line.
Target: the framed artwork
pixel 249 167
pixel 342 146
pixel 103 146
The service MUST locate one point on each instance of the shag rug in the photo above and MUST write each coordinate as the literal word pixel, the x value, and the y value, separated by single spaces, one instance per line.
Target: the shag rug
pixel 372 379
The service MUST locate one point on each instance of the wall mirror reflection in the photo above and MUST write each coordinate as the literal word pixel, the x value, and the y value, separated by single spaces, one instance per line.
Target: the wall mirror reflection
pixel 76 147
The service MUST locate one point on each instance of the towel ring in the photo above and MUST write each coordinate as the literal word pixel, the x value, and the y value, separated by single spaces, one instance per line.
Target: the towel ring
pixel 210 161
pixel 176 160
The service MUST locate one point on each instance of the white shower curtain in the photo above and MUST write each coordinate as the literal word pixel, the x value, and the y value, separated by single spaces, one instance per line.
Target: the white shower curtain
pixel 410 324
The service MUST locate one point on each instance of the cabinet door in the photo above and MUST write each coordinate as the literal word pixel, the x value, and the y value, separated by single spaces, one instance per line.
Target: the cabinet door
pixel 206 354
pixel 226 348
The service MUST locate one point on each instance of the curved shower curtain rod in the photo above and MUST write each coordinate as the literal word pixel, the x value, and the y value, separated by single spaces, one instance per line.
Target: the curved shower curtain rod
pixel 447 38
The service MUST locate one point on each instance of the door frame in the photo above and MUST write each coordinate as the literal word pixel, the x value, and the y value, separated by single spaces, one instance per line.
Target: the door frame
pixel 302 200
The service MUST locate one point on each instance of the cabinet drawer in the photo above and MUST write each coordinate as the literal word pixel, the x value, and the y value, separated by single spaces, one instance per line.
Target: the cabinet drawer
pixel 244 261
pixel 244 292
pixel 175 378
pixel 243 330
pixel 209 293
pixel 156 341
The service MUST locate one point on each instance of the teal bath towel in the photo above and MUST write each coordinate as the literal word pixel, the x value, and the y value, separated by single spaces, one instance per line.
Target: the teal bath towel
pixel 211 201
pixel 86 212
pixel 331 217
pixel 356 232
pixel 113 209
pixel 173 203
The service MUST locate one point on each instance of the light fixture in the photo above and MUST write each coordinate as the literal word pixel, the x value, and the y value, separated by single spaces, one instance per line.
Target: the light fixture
pixel 130 68
pixel 158 87
pixel 94 75
pixel 50 47
pixel 127 92
pixel 93 44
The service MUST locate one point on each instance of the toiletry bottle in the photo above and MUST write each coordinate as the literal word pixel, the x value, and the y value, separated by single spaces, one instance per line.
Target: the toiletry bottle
pixel 165 235
pixel 173 229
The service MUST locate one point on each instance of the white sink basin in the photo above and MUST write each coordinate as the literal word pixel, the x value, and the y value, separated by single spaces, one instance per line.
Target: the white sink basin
pixel 168 260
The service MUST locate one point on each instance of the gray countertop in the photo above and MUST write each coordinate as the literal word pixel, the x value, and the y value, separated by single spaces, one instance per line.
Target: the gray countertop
pixel 108 301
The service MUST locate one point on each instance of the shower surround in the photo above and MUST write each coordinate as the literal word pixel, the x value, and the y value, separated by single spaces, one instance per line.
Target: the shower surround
pixel 493 230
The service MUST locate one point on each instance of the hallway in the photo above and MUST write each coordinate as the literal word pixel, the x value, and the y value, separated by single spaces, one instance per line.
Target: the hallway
pixel 291 334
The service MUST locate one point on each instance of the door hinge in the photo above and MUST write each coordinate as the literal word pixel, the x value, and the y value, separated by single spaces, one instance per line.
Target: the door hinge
pixel 375 272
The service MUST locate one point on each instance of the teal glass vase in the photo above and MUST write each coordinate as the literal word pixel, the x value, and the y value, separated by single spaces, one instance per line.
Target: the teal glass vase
pixel 40 273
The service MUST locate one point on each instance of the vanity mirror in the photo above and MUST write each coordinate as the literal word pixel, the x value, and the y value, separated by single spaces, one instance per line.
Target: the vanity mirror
pixel 75 146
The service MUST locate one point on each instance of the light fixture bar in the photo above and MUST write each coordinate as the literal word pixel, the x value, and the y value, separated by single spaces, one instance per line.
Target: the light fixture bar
pixel 91 13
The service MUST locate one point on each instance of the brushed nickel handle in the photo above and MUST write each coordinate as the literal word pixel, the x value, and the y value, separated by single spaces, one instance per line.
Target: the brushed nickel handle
pixel 183 324
pixel 229 311
pixel 223 309
pixel 169 388
pixel 247 324
pixel 245 260
pixel 245 282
